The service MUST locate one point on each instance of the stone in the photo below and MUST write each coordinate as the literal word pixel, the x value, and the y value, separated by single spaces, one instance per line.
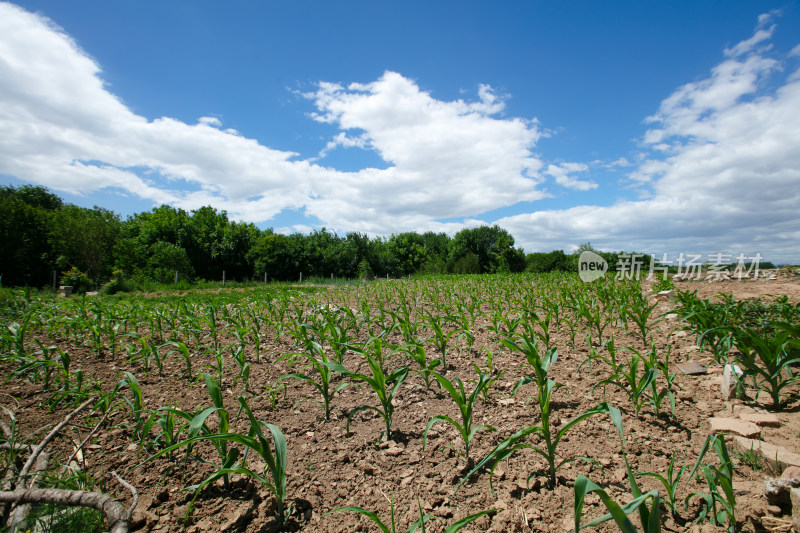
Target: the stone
pixel 777 490
pixel 730 379
pixel 792 472
pixel 666 296
pixel 795 495
pixel 761 419
pixel 393 451
pixel 692 368
pixel 734 426
pixel 770 452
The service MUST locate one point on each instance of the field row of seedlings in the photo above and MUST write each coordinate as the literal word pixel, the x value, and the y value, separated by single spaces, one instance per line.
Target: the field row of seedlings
pixel 478 403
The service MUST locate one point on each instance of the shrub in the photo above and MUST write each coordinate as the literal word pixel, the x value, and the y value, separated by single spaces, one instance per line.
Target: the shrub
pixel 78 280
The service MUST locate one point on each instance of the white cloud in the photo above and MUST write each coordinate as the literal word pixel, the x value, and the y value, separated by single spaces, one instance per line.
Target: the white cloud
pixel 63 128
pixel 730 180
pixel 562 175
pixel 214 122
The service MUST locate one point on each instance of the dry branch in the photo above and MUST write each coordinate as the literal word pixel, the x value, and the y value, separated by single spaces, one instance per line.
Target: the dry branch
pixel 114 511
pixel 50 436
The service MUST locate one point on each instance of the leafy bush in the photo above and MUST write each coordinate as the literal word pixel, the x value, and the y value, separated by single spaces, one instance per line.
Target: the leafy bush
pixel 117 284
pixel 78 280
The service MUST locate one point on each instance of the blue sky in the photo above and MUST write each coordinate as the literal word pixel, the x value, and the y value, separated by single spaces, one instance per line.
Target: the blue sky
pixel 664 127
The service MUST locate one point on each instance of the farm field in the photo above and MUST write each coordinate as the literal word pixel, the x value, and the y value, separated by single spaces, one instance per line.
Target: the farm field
pixel 554 363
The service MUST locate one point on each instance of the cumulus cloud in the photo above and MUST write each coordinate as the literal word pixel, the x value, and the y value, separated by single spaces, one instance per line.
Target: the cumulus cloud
pixel 728 179
pixel 448 159
pixel 63 128
pixel 562 172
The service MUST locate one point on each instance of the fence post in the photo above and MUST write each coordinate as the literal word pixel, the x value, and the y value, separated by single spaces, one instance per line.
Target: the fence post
pixel 176 277
pixel 223 278
pixel 301 277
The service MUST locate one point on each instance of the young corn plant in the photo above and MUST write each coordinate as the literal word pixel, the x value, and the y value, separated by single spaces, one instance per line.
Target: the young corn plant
pixel 272 476
pixel 239 357
pixel 720 486
pixel 649 518
pixel 626 375
pixel 182 349
pixel 384 383
pixel 417 353
pixel 466 406
pixel 670 481
pixel 319 375
pixel 439 339
pixel 541 364
pixel 135 403
pixel 642 316
pixel 770 360
pixel 419 524
pixel 656 396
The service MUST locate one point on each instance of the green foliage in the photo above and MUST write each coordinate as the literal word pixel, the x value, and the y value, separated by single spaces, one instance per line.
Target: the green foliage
pixel 771 361
pixel 670 481
pixel 419 524
pixel 273 474
pixel 466 407
pixel 485 249
pixel 540 364
pixel 319 375
pixel 649 518
pixel 664 284
pixel 625 375
pixel 78 280
pixel 719 504
pixel 26 220
pixel 383 382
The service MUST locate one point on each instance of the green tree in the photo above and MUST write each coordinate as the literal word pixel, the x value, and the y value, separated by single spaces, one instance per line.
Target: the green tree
pixel 165 259
pixel 409 252
pixel 275 255
pixel 144 235
pixel 85 239
pixel 556 260
pixel 26 218
pixel 491 245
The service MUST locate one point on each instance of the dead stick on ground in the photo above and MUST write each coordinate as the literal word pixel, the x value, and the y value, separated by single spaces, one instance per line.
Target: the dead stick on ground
pixel 133 491
pixel 82 444
pixel 50 436
pixel 114 511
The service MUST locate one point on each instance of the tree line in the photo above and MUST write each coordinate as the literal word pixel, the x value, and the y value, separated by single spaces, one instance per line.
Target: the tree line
pixel 92 247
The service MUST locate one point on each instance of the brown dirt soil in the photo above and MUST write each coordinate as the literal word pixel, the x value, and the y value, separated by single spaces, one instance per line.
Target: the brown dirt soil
pixel 329 469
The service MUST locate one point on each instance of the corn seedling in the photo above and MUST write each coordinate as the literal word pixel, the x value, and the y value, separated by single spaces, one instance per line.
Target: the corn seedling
pixel 319 377
pixel 419 524
pixel 720 485
pixel 418 354
pixel 466 406
pixel 649 518
pixel 670 481
pixel 439 339
pixel 626 375
pixel 382 382
pixel 239 357
pixel 272 476
pixel 641 314
pixel 540 364
pixel 769 359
